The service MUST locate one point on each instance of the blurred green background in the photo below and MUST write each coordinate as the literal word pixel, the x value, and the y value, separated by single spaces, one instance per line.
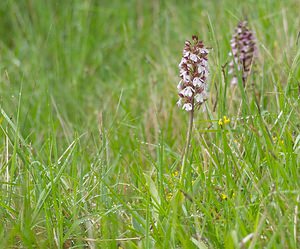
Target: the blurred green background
pixel 87 55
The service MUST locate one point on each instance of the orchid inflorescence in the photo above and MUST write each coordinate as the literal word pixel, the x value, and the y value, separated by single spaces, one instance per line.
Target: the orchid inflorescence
pixel 243 50
pixel 192 88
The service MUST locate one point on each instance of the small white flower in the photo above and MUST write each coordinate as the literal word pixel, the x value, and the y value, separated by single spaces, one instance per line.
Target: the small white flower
pixel 187 106
pixel 182 72
pixel 201 69
pixel 186 77
pixel 204 51
pixel 204 63
pixel 188 91
pixel 193 57
pixel 179 102
pixel 186 53
pixel 200 97
pixel 205 73
pixel 189 65
pixel 183 61
pixel 197 81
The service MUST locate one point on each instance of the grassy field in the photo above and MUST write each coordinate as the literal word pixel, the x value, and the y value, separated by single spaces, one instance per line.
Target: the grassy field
pixel 91 137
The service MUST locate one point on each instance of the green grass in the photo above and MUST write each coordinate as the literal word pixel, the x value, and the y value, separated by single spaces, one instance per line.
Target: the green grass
pixel 91 137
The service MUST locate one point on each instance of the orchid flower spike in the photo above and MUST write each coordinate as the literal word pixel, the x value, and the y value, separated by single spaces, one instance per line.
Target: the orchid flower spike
pixel 243 51
pixel 193 69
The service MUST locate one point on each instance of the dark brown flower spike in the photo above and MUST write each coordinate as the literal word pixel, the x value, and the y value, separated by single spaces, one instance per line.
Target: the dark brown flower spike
pixel 243 51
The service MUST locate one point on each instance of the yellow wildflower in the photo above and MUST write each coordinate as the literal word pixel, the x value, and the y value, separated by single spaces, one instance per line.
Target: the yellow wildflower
pixel 226 120
pixel 175 173
pixel 220 122
pixel 224 196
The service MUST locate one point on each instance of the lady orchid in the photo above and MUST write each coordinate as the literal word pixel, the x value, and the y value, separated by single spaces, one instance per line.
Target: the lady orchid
pixel 243 51
pixel 193 69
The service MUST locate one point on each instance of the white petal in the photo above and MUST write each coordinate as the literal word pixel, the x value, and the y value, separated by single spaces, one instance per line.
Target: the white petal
pixel 233 43
pixel 187 92
pixel 206 73
pixel 183 61
pixel 188 107
pixel 189 65
pixel 186 77
pixel 204 63
pixel 200 97
pixel 186 53
pixel 183 73
pixel 201 69
pixel 197 81
pixel 204 51
pixel 194 57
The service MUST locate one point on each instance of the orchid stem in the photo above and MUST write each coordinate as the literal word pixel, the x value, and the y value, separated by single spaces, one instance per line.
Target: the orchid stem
pixel 187 146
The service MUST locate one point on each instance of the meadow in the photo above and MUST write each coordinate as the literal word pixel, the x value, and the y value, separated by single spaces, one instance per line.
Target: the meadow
pixel 91 137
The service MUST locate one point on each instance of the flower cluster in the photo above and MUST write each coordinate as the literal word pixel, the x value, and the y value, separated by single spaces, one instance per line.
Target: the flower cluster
pixel 243 47
pixel 192 88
